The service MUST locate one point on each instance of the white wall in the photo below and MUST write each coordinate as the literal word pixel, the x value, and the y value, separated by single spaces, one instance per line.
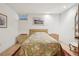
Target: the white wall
pixel 63 24
pixel 51 23
pixel 67 25
pixel 8 35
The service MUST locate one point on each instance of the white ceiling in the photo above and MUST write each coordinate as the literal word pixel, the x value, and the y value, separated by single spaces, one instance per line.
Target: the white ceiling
pixel 55 8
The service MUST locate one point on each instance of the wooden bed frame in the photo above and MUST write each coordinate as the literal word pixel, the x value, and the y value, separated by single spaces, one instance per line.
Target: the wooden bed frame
pixel 54 35
pixel 31 31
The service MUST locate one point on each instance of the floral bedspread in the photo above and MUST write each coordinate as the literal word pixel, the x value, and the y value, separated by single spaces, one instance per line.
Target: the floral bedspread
pixel 42 49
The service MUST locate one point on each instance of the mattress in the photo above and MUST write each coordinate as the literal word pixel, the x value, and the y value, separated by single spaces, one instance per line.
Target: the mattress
pixel 40 37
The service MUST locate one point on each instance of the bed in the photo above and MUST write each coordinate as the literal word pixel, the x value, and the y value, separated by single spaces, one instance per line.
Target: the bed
pixel 40 43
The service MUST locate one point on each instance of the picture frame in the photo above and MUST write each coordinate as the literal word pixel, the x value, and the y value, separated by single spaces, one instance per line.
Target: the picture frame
pixel 76 26
pixel 3 21
pixel 38 21
pixel 23 17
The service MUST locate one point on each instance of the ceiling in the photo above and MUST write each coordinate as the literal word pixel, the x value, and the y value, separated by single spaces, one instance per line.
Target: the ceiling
pixel 27 8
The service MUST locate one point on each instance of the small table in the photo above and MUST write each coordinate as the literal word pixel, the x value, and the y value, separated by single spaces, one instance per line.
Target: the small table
pixel 73 47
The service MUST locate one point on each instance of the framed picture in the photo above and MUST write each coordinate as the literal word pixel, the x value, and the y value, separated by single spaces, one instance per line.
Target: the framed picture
pixel 23 17
pixel 76 26
pixel 38 21
pixel 3 21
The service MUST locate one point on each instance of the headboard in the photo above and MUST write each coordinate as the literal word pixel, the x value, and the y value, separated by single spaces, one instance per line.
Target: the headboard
pixel 31 31
pixel 55 36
